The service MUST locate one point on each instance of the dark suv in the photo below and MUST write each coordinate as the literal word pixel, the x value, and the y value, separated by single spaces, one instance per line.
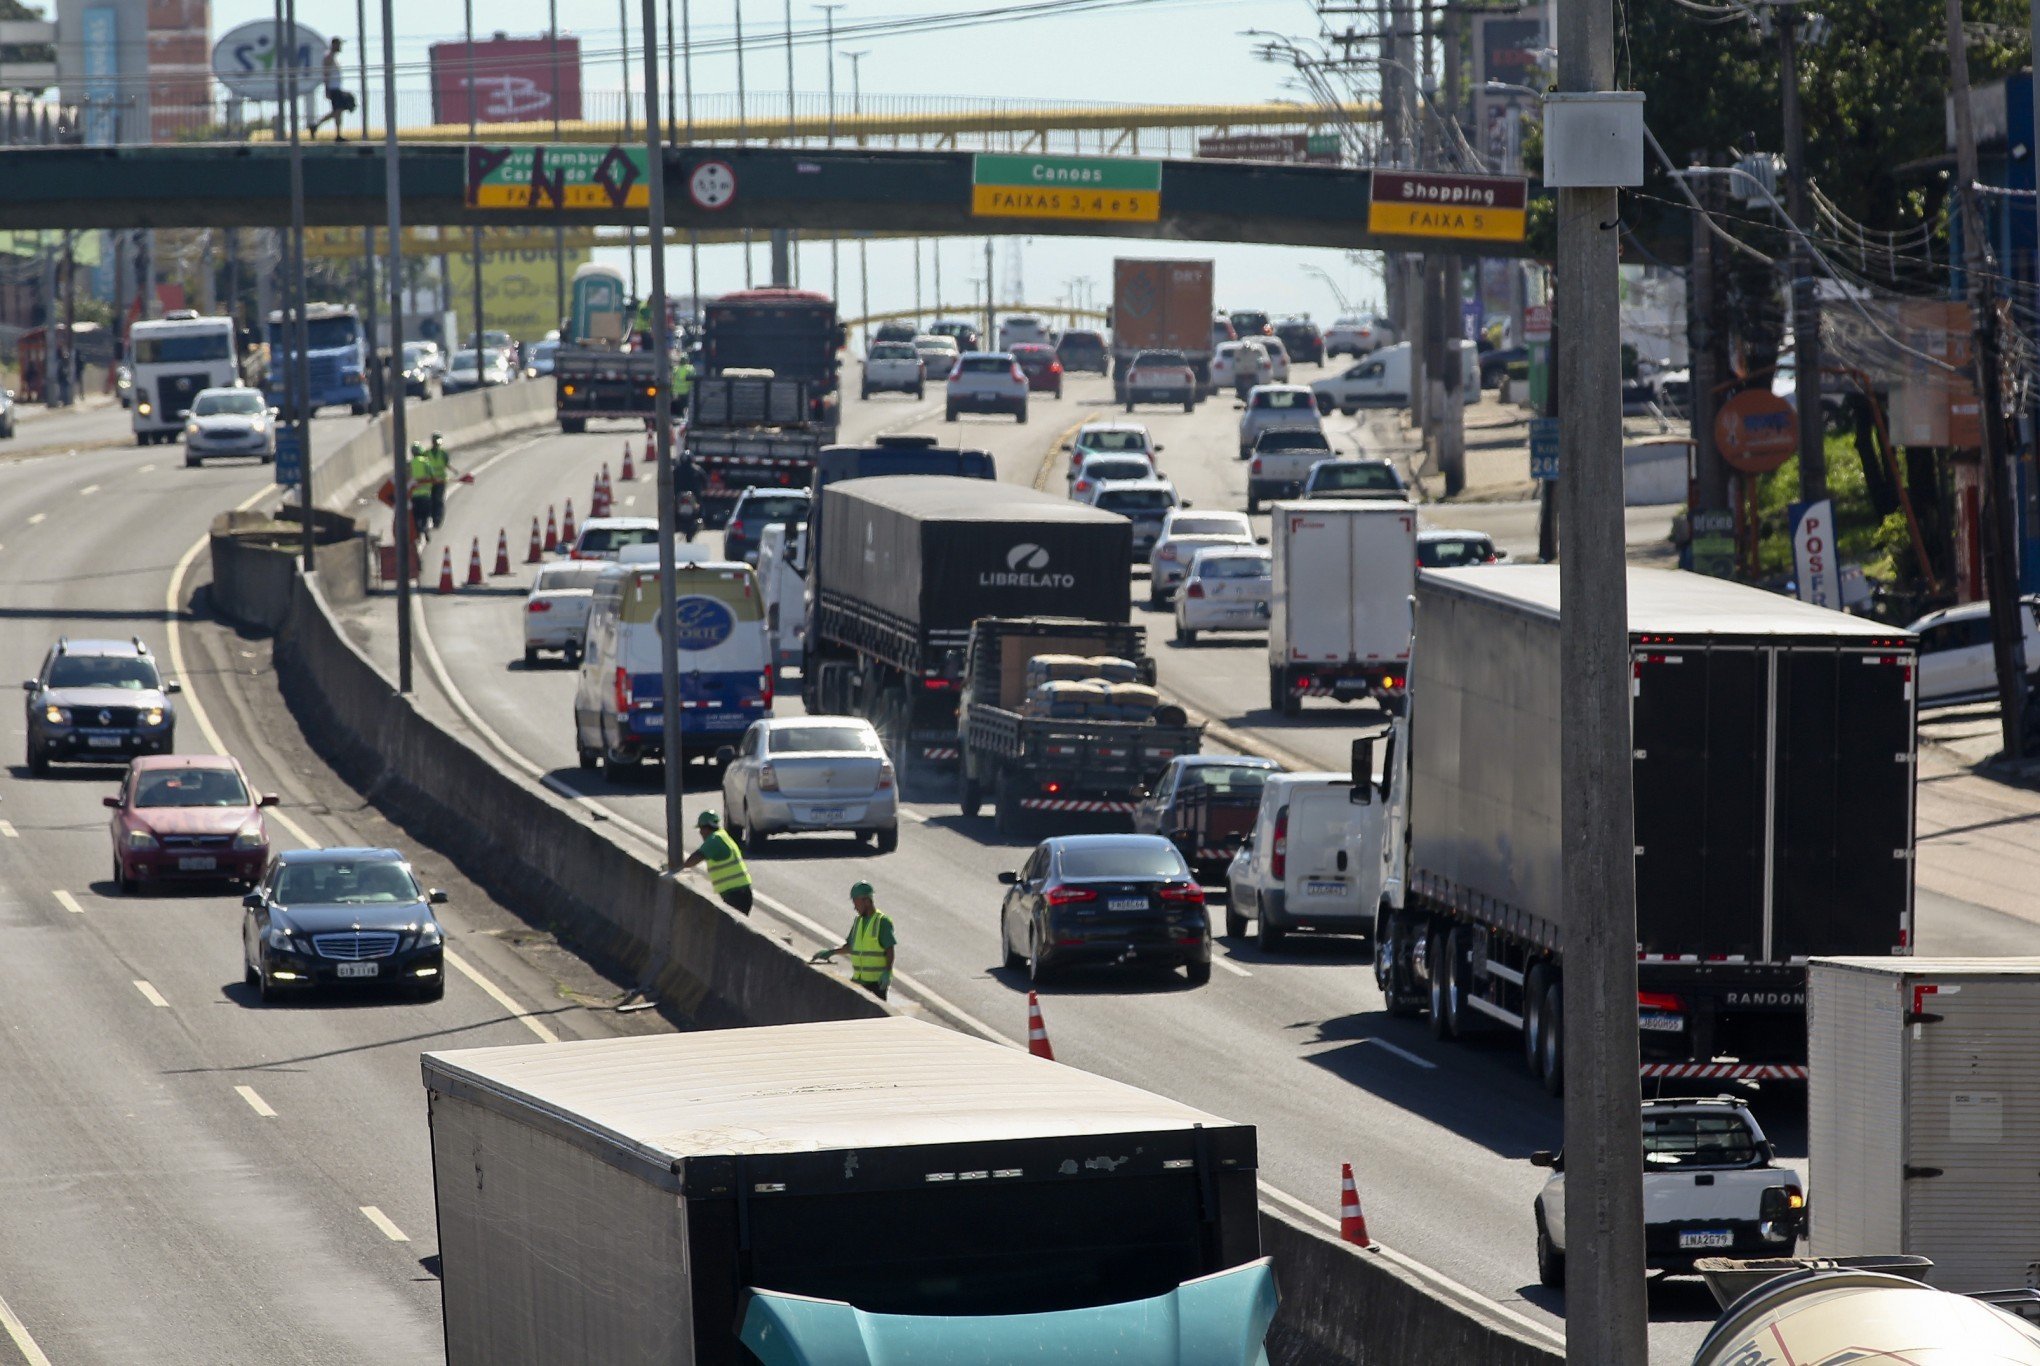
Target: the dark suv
pixel 98 701
pixel 1302 340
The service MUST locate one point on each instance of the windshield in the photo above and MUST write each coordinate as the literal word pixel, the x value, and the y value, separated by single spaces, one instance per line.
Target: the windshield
pixel 416 352
pixel 1285 399
pixel 1159 358
pixel 822 740
pixel 1223 780
pixel 560 578
pixel 246 403
pixel 345 882
pixel 777 508
pixel 463 360
pixel 893 351
pixel 1363 475
pixel 1292 439
pixel 1233 567
pixel 736 589
pixel 1113 441
pixel 1214 525
pixel 1116 469
pixel 322 334
pixel 1129 860
pixel 190 787
pixel 102 671
pixel 987 365
pixel 1696 1140
pixel 1459 550
pixel 1136 500
pixel 213 344
pixel 596 539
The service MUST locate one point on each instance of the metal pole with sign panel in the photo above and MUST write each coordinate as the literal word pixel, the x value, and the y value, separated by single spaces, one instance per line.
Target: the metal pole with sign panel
pixel 669 662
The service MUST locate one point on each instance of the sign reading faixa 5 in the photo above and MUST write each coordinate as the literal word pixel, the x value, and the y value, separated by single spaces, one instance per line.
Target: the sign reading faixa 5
pixel 1473 208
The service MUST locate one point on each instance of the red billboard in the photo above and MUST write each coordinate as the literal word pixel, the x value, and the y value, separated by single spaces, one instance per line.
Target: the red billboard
pixel 513 80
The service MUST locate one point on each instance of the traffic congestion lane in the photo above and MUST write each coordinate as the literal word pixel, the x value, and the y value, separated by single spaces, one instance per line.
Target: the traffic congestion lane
pixel 148 1186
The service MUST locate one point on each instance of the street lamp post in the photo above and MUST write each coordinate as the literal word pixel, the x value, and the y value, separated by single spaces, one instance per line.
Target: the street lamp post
pixel 743 129
pixel 300 363
pixel 401 530
pixel 552 30
pixel 481 370
pixel 835 238
pixel 857 113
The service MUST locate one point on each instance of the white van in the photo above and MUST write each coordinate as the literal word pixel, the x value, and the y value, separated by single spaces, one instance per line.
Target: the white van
pixel 1312 860
pixel 785 592
pixel 1023 330
pixel 726 675
pixel 1383 381
pixel 1344 574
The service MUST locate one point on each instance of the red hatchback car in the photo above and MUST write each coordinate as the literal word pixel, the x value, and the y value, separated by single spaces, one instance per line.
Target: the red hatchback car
pixel 188 817
pixel 1044 372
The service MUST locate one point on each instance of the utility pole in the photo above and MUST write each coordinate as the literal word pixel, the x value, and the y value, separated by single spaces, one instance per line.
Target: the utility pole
pixel 743 131
pixel 300 363
pixel 1813 481
pixel 835 238
pixel 2000 523
pixel 481 369
pixel 1451 416
pixel 1706 344
pixel 687 75
pixel 378 387
pixel 552 33
pixel 400 456
pixel 1606 1310
pixel 986 336
pixel 662 411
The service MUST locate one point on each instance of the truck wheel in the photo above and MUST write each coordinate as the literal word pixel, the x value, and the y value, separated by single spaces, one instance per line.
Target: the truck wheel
pixel 573 426
pixel 1390 977
pixel 1281 697
pixel 1007 814
pixel 1268 936
pixel 1533 1018
pixel 1438 958
pixel 1550 1261
pixel 1553 1052
pixel 969 796
pixel 1459 1017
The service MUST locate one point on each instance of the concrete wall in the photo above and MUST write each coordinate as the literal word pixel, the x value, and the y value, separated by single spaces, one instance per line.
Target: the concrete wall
pixel 255 559
pixel 358 465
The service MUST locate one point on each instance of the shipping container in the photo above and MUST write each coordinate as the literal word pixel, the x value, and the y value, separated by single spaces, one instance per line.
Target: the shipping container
pixel 1162 306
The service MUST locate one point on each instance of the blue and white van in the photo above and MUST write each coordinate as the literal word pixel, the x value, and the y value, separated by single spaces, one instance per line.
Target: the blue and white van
pixel 725 659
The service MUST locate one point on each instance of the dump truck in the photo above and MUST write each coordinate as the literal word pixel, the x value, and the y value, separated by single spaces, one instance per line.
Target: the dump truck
pixel 839 1194
pixel 905 564
pixel 1162 306
pixel 602 367
pixel 1774 753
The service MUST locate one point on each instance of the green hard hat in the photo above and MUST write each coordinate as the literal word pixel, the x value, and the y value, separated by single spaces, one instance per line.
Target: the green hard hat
pixel 708 820
pixel 858 889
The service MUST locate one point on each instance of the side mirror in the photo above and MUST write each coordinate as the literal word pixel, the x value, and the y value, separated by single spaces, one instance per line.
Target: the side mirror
pixel 1159 448
pixel 172 686
pixel 1260 540
pixel 252 900
pixel 1143 792
pixel 29 685
pixel 269 799
pixel 1500 555
pixel 436 897
pixel 1008 878
pixel 1545 1158
pixel 1362 793
pixel 113 802
pixel 1186 503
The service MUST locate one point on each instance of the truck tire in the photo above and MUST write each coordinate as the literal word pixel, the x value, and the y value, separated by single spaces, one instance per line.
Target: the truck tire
pixel 1391 977
pixel 1281 697
pixel 1438 959
pixel 1551 1061
pixel 970 798
pixel 1533 1017
pixel 1007 814
pixel 1550 1261
pixel 1268 936
pixel 573 426
pixel 1460 1018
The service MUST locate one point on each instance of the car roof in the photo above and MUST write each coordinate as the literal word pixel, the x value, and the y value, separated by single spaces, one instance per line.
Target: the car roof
pixel 995 355
pixel 344 854
pixel 764 491
pixel 1224 761
pixel 1440 533
pixel 149 762
pixel 1153 481
pixel 133 649
pixel 614 523
pixel 1122 841
pixel 1279 389
pixel 1314 779
pixel 1112 427
pixel 1031 346
pixel 791 722
pixel 224 389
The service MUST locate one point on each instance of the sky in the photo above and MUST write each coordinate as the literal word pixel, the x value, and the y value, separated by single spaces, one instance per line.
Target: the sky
pixel 1189 52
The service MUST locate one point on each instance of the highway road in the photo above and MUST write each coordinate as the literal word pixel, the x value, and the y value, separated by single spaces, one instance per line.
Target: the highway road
pixel 1294 1042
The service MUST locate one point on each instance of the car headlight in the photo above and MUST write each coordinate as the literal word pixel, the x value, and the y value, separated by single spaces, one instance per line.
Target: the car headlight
pixel 191 429
pixel 258 426
pixel 56 715
pixel 144 409
pixel 140 839
pixel 153 717
pixel 250 837
pixel 430 934
pixel 278 937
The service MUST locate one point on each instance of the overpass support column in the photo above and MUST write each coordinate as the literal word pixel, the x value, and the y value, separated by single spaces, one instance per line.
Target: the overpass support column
pixel 782 259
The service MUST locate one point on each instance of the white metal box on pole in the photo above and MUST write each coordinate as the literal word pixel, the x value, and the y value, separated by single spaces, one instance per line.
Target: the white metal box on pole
pixel 1924 1114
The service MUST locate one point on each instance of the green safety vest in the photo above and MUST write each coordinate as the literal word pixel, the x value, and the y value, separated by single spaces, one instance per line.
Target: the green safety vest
pixel 867 950
pixel 726 870
pixel 436 457
pixel 421 474
pixel 683 380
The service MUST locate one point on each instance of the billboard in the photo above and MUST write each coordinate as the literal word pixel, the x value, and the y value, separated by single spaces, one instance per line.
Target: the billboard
pixel 1510 49
pixel 517 289
pixel 100 40
pixel 513 78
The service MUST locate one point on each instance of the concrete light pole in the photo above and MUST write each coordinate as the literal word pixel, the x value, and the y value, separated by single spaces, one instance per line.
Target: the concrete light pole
pixel 835 238
pixel 662 410
pixel 481 369
pixel 400 457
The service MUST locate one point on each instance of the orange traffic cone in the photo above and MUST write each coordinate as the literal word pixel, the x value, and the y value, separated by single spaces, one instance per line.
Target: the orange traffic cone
pixel 446 570
pixel 1037 1032
pixel 629 470
pixel 502 551
pixel 608 491
pixel 552 530
pixel 1352 1223
pixel 536 553
pixel 474 577
pixel 567 532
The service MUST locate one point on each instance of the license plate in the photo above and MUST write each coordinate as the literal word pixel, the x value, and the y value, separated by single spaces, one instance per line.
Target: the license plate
pixel 1126 903
pixel 103 741
pixel 1324 887
pixel 197 863
pixel 357 969
pixel 1707 1237
pixel 825 813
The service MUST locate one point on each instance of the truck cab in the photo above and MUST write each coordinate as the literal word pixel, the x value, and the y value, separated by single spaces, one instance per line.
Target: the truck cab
pixel 336 359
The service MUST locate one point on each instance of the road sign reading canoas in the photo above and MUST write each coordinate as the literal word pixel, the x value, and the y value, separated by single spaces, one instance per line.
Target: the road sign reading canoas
pixel 569 176
pixel 1475 208
pixel 1108 189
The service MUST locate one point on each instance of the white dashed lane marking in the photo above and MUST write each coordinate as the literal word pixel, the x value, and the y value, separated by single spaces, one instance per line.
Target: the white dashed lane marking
pixel 255 1102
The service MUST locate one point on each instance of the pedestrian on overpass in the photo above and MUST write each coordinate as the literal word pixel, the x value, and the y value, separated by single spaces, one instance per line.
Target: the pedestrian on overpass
pixel 338 101
pixel 871 945
pixel 727 872
pixel 420 481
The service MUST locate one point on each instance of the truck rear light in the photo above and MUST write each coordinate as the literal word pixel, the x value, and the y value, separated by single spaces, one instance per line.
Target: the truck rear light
pixel 1051 788
pixel 765 688
pixel 1183 894
pixel 538 605
pixel 1659 1000
pixel 1278 862
pixel 1068 896
pixel 622 690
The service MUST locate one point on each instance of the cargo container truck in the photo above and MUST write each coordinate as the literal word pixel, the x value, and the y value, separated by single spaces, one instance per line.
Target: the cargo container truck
pixel 1161 306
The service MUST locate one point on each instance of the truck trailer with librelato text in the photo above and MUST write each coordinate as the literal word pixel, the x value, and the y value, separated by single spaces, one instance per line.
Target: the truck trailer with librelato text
pixel 1773 766
pixel 836 1194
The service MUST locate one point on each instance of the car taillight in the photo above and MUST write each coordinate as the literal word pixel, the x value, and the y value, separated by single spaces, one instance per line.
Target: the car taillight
pixel 1083 485
pixel 885 777
pixel 1064 896
pixel 538 605
pixel 1017 373
pixel 1055 367
pixel 622 690
pixel 1278 863
pixel 768 778
pixel 734 530
pixel 1255 467
pixel 1183 893
pixel 1195 590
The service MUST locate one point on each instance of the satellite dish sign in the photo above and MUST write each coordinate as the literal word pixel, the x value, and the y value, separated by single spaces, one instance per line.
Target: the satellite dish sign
pixel 244 59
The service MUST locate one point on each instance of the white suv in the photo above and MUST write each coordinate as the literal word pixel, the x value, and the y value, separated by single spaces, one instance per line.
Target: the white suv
pixel 1957 663
pixel 894 366
pixel 1359 335
pixel 1022 330
pixel 987 382
pixel 1277 407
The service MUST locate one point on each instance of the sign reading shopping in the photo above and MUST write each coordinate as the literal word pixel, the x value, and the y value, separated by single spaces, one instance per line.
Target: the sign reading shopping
pixel 1097 189
pixel 557 176
pixel 1472 208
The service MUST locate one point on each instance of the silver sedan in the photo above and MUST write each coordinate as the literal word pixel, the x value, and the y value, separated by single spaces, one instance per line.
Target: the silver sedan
pixel 805 773
pixel 230 421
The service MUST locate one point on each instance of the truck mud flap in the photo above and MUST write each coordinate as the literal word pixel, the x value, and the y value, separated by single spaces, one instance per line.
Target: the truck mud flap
pixel 1725 1071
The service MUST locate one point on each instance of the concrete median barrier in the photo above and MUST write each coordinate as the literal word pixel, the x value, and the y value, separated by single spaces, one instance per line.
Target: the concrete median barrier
pixel 351 470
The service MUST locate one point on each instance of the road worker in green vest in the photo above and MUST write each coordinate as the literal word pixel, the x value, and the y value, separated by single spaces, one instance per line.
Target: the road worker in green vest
pixel 442 466
pixel 871 944
pixel 683 384
pixel 727 872
pixel 420 480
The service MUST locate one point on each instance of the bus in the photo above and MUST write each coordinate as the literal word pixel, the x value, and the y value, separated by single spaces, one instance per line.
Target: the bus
pixel 336 356
pixel 173 359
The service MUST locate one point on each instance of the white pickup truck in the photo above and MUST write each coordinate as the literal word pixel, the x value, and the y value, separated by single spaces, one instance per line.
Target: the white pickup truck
pixel 1280 461
pixel 896 367
pixel 1712 1187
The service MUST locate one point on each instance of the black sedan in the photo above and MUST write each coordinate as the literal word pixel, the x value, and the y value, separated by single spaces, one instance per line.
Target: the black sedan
pixel 1104 899
pixel 342 917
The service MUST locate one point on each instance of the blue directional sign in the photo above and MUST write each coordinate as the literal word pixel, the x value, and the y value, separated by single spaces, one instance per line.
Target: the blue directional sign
pixel 290 455
pixel 1544 448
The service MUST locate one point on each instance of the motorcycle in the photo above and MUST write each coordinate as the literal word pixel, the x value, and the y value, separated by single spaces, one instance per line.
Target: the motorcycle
pixel 687 513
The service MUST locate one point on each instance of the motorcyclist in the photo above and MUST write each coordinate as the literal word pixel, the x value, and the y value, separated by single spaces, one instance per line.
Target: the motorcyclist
pixel 688 486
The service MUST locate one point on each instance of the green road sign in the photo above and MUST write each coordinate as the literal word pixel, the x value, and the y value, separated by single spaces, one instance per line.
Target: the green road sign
pixel 557 175
pixel 1104 188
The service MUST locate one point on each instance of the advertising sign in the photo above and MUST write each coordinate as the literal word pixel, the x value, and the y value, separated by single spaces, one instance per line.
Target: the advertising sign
pixel 290 456
pixel 1473 208
pixel 557 175
pixel 518 288
pixel 513 80
pixel 100 41
pixel 1813 553
pixel 245 58
pixel 1508 49
pixel 1105 189
pixel 1544 448
pixel 1756 431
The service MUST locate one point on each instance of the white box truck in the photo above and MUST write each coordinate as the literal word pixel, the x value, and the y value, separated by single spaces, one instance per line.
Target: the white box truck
pixel 1339 618
pixel 844 1193
pixel 1923 1114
